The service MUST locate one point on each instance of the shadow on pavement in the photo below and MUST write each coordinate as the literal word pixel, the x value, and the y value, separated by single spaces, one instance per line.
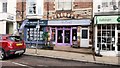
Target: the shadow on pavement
pixel 14 57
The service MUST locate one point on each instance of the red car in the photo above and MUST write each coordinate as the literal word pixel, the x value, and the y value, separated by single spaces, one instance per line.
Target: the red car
pixel 10 45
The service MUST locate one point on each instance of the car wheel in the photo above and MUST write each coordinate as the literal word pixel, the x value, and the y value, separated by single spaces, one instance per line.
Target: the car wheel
pixel 2 55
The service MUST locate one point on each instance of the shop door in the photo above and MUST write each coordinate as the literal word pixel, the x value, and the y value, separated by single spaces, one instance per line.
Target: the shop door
pixel 118 43
pixel 67 36
pixel 60 36
pixel 63 37
pixel 84 42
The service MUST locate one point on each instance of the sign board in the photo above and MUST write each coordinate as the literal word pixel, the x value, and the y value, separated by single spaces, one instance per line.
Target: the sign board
pixel 70 22
pixel 34 23
pixel 107 20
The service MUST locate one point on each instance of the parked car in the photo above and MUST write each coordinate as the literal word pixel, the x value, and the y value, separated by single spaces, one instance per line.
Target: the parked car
pixel 10 45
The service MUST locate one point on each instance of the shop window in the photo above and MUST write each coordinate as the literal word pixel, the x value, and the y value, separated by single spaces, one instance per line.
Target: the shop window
pixel 113 27
pixel 99 40
pixel 103 27
pixel 113 33
pixel 99 27
pixel 33 34
pixel 106 37
pixel 53 34
pixel 108 26
pixel 118 27
pixel 99 33
pixel 74 35
pixel 60 36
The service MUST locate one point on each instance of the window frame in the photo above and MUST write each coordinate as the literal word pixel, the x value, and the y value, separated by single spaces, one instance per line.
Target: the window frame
pixel 64 7
pixel 30 5
pixel 4 5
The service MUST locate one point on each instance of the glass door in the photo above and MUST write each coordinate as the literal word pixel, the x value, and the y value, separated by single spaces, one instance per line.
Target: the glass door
pixel 84 37
pixel 60 36
pixel 67 36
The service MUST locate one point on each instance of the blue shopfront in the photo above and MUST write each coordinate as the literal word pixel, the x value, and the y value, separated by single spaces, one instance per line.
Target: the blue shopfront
pixel 33 35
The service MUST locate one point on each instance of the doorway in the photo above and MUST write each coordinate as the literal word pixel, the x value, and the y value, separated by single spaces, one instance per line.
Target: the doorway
pixel 63 36
pixel 84 37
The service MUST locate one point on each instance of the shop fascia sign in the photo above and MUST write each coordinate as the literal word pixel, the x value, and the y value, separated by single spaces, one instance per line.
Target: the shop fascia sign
pixel 34 23
pixel 10 17
pixel 107 19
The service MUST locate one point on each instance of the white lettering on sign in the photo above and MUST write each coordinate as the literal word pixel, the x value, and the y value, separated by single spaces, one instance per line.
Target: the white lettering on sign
pixel 67 22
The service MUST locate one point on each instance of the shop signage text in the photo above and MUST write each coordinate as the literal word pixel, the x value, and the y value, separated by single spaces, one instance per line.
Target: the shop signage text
pixel 10 17
pixel 107 20
pixel 34 23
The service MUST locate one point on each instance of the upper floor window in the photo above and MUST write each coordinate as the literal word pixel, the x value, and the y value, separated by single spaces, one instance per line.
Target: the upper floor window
pixel 31 6
pixel 64 4
pixel 5 7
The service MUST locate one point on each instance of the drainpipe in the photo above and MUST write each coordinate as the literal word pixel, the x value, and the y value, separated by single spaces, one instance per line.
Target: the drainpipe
pixel 92 22
pixel 22 10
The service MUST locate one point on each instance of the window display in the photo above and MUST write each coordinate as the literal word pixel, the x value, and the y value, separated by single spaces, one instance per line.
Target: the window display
pixel 53 34
pixel 105 37
pixel 33 34
pixel 74 34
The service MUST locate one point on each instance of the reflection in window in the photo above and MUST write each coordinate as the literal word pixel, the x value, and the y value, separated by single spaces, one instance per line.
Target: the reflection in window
pixel 103 26
pixel 118 27
pixel 105 37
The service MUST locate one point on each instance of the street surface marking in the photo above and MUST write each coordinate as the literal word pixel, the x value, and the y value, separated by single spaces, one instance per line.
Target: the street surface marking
pixel 3 61
pixel 41 65
pixel 22 65
pixel 19 64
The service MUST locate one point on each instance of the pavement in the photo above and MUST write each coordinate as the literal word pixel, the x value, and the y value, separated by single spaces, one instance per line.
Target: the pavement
pixel 76 56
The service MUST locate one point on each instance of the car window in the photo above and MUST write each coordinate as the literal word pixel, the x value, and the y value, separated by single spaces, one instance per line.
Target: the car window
pixel 15 38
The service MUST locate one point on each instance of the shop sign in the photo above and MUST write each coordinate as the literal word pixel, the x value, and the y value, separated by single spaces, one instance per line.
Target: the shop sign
pixel 118 19
pixel 70 22
pixel 10 17
pixel 34 23
pixel 107 19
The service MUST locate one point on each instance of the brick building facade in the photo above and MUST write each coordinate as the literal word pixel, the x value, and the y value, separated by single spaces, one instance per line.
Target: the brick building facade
pixel 68 21
pixel 79 11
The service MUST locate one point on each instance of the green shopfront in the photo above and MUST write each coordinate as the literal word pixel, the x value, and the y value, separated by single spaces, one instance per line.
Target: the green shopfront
pixel 107 35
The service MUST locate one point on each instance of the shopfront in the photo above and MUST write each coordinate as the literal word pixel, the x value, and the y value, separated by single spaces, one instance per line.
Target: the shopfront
pixel 33 34
pixel 107 35
pixel 69 32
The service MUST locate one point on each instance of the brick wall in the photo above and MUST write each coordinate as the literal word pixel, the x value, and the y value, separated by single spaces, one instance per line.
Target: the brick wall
pixel 19 10
pixel 79 10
